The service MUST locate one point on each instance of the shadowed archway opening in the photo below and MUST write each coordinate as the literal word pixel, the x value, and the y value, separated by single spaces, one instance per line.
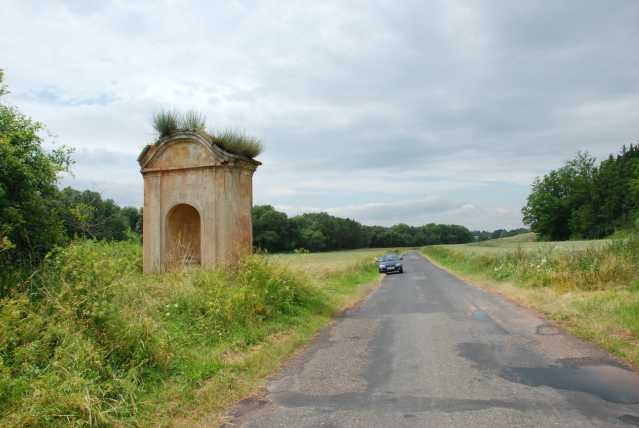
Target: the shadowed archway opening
pixel 184 234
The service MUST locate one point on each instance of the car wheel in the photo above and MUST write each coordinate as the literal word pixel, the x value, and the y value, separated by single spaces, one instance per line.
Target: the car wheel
pixel 401 271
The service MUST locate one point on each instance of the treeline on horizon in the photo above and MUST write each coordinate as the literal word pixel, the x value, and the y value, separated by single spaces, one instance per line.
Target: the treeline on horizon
pixel 582 200
pixel 36 216
pixel 70 214
pixel 497 234
pixel 276 232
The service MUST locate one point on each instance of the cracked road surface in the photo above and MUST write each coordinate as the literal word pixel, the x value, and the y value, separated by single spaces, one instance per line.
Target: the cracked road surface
pixel 426 349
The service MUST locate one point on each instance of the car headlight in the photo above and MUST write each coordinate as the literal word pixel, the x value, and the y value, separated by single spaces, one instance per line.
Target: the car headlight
pixel 399 265
pixel 381 266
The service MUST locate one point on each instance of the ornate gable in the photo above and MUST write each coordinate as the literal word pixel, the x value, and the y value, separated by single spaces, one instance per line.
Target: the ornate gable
pixel 188 149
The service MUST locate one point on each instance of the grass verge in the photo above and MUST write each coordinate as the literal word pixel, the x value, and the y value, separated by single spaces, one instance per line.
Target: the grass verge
pixel 592 292
pixel 91 342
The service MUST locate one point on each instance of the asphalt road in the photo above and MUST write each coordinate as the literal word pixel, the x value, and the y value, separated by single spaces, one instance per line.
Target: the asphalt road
pixel 428 350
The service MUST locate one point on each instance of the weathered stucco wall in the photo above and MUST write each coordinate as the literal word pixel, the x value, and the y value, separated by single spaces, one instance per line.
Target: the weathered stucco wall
pixel 186 170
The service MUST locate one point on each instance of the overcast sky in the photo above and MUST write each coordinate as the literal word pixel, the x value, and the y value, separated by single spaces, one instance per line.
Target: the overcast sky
pixel 380 111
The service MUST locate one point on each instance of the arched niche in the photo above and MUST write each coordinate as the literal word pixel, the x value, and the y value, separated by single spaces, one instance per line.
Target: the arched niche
pixel 184 235
pixel 187 167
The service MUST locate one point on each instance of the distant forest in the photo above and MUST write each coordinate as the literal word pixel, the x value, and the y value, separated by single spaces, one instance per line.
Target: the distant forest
pixel 584 201
pixel 499 233
pixel 87 215
pixel 275 231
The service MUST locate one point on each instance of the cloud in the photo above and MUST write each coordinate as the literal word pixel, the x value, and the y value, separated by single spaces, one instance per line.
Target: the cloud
pixel 360 103
pixel 423 211
pixel 396 212
pixel 115 175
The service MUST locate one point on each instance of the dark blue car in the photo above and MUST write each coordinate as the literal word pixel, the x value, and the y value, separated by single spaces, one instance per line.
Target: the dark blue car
pixel 390 263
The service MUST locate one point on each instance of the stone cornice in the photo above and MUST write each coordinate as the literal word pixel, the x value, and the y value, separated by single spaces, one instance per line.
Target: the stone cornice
pixel 151 153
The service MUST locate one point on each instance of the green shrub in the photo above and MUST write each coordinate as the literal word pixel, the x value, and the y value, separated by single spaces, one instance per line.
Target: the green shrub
pixel 596 267
pixel 99 342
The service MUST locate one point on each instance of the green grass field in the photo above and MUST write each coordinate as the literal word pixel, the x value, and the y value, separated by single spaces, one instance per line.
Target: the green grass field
pixel 526 242
pixel 89 341
pixel 589 287
pixel 331 259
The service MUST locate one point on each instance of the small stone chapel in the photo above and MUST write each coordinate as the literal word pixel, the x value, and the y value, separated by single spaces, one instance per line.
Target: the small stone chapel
pixel 198 202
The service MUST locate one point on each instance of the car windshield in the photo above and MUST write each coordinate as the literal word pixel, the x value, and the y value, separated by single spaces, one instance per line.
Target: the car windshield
pixel 389 258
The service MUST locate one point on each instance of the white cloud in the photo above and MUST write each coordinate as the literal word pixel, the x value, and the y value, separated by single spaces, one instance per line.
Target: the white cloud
pixel 421 212
pixel 361 103
pixel 292 211
pixel 279 191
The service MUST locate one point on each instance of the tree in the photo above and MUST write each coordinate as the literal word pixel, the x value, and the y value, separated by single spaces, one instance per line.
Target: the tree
pixel 134 218
pixel 322 232
pixel 616 186
pixel 88 215
pixel 483 237
pixel 547 211
pixel 313 239
pixel 583 201
pixel 377 236
pixel 272 230
pixel 29 197
pixel 497 233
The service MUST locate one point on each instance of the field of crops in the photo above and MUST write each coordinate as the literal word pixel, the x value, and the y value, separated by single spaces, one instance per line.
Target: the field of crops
pixel 329 260
pixel 589 287
pixel 526 242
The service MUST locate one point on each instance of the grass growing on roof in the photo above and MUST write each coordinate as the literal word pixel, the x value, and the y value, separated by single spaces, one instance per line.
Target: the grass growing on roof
pixel 232 140
pixel 194 120
pixel 237 141
pixel 166 121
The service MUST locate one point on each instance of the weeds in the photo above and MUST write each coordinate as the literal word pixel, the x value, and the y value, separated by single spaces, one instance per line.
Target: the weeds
pixel 594 291
pixel 232 140
pixel 96 344
pixel 166 121
pixel 194 120
pixel 237 141
pixel 596 267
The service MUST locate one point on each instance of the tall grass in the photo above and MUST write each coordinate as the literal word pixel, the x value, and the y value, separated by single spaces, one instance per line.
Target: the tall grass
pixel 94 343
pixel 595 267
pixel 166 121
pixel 593 291
pixel 237 141
pixel 232 140
pixel 194 120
